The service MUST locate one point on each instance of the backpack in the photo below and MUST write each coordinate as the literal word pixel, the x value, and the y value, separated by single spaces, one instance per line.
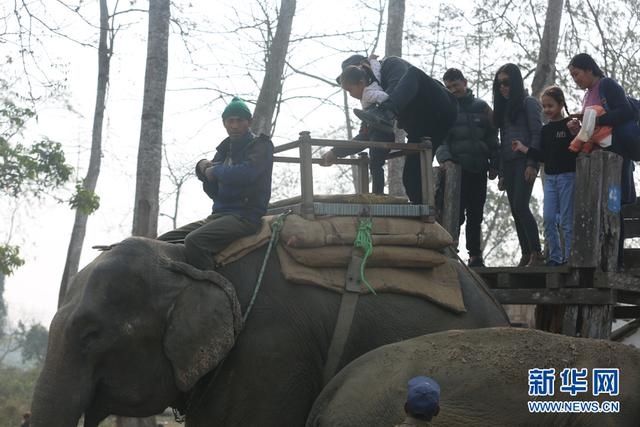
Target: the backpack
pixel 626 136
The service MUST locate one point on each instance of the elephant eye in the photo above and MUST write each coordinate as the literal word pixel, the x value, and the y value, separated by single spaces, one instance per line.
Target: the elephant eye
pixel 89 339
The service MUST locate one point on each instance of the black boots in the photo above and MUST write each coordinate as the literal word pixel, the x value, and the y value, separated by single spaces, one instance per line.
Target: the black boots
pixel 379 117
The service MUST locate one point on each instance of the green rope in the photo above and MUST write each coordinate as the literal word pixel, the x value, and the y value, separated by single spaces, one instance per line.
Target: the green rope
pixel 363 241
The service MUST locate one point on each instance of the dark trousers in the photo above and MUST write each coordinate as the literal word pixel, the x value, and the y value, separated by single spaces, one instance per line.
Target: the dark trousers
pixel 205 238
pixel 473 195
pixel 519 195
pixel 377 159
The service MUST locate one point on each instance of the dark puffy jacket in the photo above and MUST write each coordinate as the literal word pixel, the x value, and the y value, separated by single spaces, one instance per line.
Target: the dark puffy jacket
pixel 472 141
pixel 243 177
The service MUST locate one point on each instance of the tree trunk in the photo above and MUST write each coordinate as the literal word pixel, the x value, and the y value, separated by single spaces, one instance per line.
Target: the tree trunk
pixel 393 47
pixel 272 82
pixel 546 69
pixel 91 179
pixel 145 213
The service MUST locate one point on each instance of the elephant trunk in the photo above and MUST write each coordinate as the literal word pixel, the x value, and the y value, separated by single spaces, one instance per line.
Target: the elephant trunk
pixel 55 404
pixel 64 388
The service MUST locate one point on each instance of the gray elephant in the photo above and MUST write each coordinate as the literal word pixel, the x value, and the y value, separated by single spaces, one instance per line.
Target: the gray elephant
pixel 141 330
pixel 484 380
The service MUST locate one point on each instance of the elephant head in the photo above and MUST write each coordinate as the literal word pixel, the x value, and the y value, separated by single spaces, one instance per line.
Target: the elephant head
pixel 138 328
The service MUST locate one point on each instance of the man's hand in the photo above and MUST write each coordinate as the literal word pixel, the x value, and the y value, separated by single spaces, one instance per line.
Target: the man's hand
pixel 530 174
pixel 501 184
pixel 519 146
pixel 202 165
pixel 492 174
pixel 209 174
pixel 328 158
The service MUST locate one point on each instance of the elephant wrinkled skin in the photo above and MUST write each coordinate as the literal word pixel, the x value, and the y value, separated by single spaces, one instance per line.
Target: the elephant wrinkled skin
pixel 483 377
pixel 140 330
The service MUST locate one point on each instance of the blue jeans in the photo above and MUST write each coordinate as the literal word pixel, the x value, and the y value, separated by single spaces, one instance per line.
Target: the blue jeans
pixel 558 211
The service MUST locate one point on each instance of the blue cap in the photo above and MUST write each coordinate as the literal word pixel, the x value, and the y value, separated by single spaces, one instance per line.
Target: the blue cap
pixel 423 397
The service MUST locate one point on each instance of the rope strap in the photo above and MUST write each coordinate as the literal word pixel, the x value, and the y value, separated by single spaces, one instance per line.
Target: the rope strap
pixel 363 241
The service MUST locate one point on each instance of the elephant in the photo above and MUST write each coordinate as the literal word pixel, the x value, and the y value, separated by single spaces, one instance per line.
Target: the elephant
pixel 484 380
pixel 140 330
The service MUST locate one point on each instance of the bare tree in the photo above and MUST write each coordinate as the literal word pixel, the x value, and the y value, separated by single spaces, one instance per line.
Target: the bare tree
pixel 146 207
pixel 271 88
pixel 546 66
pixel 85 199
pixel 393 47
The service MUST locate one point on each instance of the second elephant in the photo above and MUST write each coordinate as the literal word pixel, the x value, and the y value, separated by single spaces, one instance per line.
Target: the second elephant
pixel 483 375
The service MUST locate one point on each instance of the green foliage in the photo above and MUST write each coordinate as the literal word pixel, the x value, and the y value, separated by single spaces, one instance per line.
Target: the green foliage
pixel 33 342
pixel 9 259
pixel 84 200
pixel 31 170
pixel 16 390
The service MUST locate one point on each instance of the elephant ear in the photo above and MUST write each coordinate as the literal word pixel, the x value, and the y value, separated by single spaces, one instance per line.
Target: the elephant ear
pixel 203 324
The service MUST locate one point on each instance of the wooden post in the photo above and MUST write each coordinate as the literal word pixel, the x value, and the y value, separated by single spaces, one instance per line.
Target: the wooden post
pixel 363 173
pixel 426 173
pixel 306 175
pixel 596 321
pixel 611 197
pixel 450 218
pixel 585 247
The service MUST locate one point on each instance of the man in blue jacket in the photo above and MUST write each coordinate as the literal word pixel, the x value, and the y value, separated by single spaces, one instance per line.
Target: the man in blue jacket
pixel 238 179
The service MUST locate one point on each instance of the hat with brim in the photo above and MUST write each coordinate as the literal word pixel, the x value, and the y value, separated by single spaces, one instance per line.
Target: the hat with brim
pixel 352 60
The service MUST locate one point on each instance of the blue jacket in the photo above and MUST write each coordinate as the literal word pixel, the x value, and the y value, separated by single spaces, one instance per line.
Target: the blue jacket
pixel 243 177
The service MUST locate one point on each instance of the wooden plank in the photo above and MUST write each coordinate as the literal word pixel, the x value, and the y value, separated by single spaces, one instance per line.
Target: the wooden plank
pixel 620 281
pixel 631 211
pixel 585 248
pixel 503 281
pixel 451 182
pixel 555 296
pixel 363 173
pixel 554 280
pixel 628 297
pixel 426 172
pixel 285 159
pixel 631 256
pixel 631 228
pixel 611 195
pixel 626 312
pixel 306 175
pixel 625 330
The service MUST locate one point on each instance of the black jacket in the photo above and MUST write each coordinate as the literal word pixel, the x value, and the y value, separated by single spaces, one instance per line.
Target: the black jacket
pixel 243 177
pixel 473 140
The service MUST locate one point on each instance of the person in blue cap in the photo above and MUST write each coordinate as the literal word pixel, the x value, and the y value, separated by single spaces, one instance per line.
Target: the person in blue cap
pixel 238 179
pixel 423 401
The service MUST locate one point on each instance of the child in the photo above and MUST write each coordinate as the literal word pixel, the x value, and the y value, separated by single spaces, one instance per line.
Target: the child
pixel 362 82
pixel 560 171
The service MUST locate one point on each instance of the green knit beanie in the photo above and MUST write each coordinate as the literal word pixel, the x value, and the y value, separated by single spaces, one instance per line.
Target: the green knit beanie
pixel 236 108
